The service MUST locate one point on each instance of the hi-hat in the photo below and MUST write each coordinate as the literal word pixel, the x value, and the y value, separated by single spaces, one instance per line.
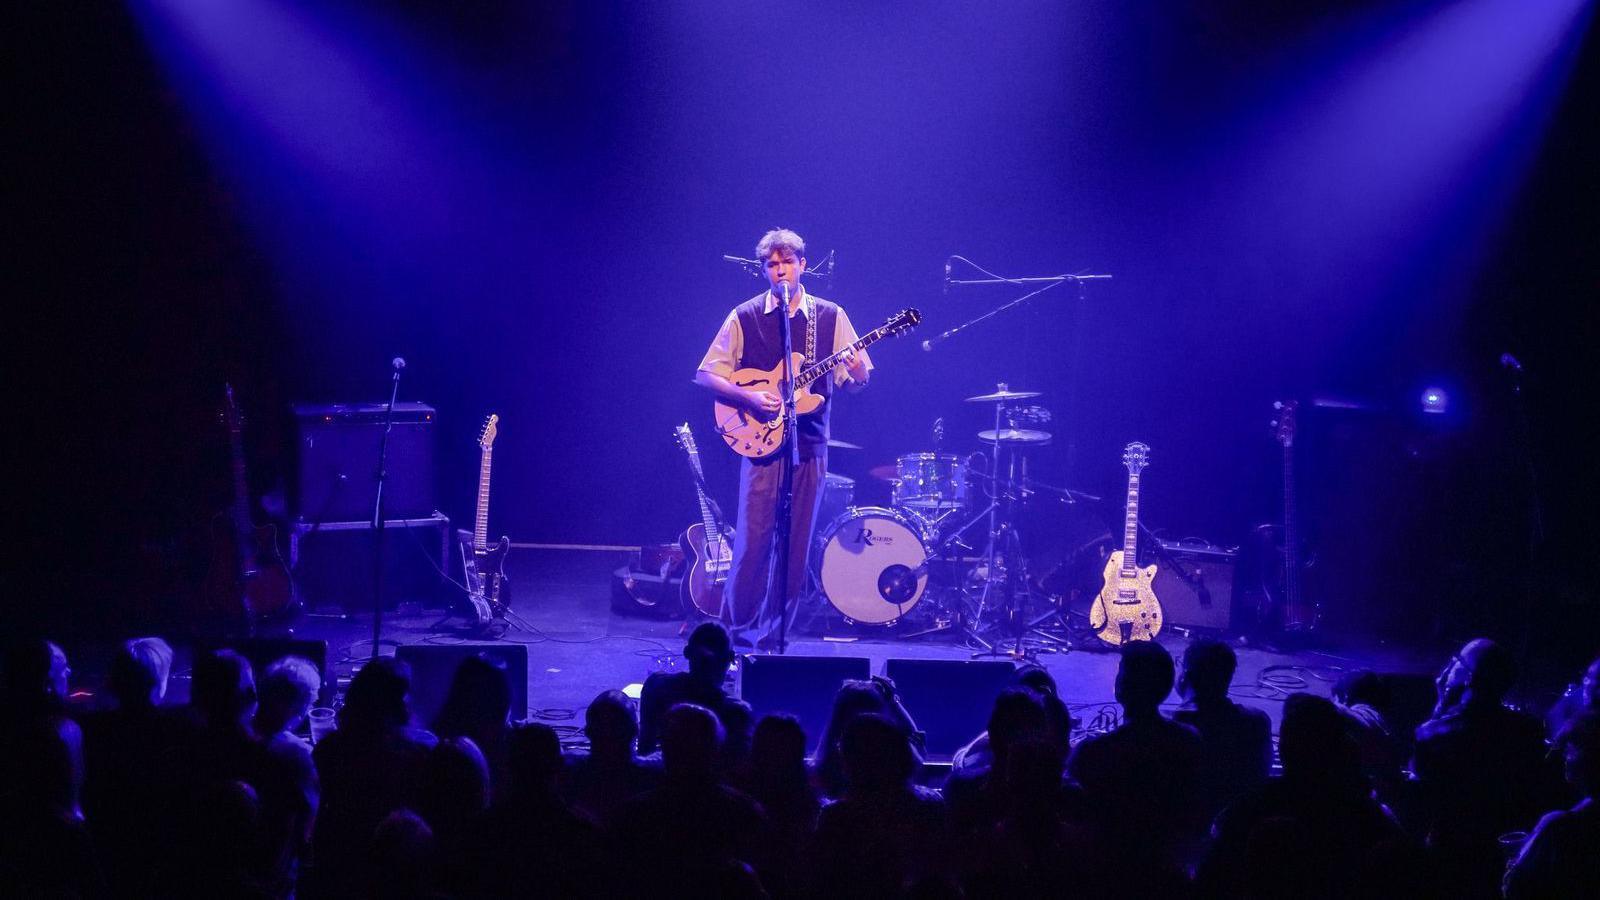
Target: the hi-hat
pixel 1004 395
pixel 1014 436
pixel 843 445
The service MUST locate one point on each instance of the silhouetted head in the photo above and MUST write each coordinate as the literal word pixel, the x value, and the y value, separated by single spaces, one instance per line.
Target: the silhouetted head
pixel 456 783
pixel 1579 742
pixel 709 652
pixel 1018 715
pixel 535 759
pixel 853 698
pixel 1037 677
pixel 1362 687
pixel 1314 743
pixel 36 674
pixel 778 747
pixel 479 699
pixel 224 689
pixel 1144 677
pixel 1590 686
pixel 1208 666
pixel 1056 713
pixel 400 857
pixel 612 724
pixel 876 754
pixel 377 696
pixel 139 672
pixel 288 688
pixel 691 742
pixel 1479 674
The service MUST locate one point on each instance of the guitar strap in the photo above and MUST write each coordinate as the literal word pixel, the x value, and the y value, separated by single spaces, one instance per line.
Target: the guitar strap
pixel 810 309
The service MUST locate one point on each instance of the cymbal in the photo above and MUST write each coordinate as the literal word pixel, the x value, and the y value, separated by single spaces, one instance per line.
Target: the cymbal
pixel 1002 396
pixel 843 445
pixel 1014 436
pixel 885 472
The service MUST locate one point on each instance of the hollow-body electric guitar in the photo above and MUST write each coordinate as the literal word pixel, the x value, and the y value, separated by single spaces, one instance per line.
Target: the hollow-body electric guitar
pixel 1127 608
pixel 755 435
pixel 707 546
pixel 488 591
pixel 247 578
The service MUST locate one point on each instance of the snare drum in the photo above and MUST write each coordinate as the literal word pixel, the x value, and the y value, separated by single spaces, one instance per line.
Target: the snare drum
pixel 930 481
pixel 872 565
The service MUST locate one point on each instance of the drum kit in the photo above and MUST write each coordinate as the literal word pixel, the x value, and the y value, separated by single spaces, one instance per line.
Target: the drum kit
pixel 874 565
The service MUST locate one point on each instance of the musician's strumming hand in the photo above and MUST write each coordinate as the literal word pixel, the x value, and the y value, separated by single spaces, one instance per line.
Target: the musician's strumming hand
pixel 764 402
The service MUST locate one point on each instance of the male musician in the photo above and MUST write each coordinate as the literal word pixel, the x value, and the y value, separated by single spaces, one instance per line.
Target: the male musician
pixel 751 338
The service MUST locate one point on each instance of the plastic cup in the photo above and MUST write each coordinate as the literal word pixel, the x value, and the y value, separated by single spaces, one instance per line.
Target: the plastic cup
pixel 322 723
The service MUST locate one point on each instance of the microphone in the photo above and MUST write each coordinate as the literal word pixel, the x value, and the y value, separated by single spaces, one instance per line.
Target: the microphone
pixel 399 362
pixel 1510 362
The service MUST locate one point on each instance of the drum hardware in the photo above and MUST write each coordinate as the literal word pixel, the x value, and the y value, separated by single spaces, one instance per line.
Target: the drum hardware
pixel 1005 563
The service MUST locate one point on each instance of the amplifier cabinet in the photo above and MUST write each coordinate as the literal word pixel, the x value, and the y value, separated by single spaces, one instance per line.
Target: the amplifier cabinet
pixel 1194 583
pixel 339 462
pixel 332 562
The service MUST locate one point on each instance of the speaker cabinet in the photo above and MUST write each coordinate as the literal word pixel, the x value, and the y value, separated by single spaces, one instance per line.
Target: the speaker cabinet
pixel 339 462
pixel 802 686
pixel 1194 583
pixel 433 667
pixel 332 563
pixel 949 699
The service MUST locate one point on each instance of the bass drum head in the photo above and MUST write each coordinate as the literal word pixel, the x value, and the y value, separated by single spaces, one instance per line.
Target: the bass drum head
pixel 871 561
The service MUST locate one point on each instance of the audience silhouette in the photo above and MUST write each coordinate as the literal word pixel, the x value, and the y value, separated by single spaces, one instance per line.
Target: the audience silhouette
pixel 224 797
pixel 710 655
pixel 1141 778
pixel 1235 740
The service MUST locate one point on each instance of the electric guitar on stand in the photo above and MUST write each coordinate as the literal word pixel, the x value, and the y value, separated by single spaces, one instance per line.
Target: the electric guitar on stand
pixel 1288 611
pixel 752 435
pixel 247 579
pixel 707 546
pixel 1127 608
pixel 488 591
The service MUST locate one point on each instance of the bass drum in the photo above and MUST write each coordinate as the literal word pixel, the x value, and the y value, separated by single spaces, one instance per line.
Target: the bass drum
pixel 872 564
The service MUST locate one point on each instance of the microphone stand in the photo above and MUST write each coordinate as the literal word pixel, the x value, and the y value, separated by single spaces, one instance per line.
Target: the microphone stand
pixel 791 461
pixel 377 511
pixel 1049 281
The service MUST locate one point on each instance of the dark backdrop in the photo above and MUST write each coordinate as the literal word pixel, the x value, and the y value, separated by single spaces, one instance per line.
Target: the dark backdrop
pixel 529 203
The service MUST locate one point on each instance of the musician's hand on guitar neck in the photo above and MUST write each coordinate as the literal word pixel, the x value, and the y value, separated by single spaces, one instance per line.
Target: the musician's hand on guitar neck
pixel 764 402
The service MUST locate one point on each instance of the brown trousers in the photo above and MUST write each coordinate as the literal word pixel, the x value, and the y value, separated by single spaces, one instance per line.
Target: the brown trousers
pixel 748 601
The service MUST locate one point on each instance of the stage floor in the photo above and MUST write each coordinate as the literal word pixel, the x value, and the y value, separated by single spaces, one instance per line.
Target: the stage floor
pixel 578 647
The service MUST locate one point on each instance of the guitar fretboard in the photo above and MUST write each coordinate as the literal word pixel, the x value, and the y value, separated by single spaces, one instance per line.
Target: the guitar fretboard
pixel 480 528
pixel 827 365
pixel 1130 530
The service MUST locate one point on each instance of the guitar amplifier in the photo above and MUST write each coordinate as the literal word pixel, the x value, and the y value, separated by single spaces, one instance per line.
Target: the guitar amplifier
pixel 1194 582
pixel 339 462
pixel 332 562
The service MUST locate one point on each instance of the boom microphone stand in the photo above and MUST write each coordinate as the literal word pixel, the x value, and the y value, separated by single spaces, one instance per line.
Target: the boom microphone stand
pixel 377 510
pixel 791 461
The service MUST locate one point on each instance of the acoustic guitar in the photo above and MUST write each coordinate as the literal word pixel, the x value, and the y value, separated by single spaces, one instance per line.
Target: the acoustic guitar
pixel 247 579
pixel 756 435
pixel 707 546
pixel 1127 608
pixel 488 591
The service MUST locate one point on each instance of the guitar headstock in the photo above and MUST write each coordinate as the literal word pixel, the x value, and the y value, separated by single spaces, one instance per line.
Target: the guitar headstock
pixel 1283 425
pixel 1136 456
pixel 491 428
pixel 231 415
pixel 685 438
pixel 903 321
